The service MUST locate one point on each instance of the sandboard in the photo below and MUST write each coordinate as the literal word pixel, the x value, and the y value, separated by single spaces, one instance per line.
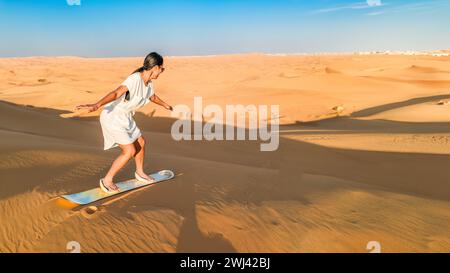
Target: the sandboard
pixel 89 196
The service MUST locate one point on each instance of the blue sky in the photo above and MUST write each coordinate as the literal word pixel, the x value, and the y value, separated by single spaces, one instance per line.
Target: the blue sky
pixel 111 28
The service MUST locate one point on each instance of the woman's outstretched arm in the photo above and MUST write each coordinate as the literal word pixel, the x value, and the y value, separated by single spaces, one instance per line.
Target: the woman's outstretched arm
pixel 157 100
pixel 113 95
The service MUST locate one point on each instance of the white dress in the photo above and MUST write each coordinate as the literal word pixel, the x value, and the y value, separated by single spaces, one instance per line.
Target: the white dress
pixel 116 119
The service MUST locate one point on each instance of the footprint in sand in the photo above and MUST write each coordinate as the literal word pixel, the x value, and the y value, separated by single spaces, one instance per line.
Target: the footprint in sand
pixel 90 212
pixel 338 110
pixel 288 75
pixel 329 70
pixel 443 102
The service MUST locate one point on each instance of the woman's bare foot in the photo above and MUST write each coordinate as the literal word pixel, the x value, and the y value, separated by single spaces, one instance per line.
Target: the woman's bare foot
pixel 145 176
pixel 108 183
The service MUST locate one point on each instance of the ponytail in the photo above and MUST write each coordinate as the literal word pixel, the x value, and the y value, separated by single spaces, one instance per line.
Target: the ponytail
pixel 140 69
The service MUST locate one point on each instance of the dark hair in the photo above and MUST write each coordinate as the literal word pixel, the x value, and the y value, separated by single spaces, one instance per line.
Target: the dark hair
pixel 150 61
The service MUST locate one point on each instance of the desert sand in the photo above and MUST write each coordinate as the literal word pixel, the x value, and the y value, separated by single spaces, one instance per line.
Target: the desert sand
pixel 363 156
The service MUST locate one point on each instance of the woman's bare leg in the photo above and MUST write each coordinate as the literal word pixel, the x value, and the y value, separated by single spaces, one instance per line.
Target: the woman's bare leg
pixel 139 158
pixel 140 153
pixel 128 151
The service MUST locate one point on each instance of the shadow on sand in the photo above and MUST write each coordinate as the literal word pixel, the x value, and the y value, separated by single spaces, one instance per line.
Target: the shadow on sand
pixel 266 176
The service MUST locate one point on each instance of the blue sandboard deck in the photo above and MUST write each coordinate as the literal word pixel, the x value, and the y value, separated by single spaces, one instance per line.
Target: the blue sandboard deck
pixel 89 196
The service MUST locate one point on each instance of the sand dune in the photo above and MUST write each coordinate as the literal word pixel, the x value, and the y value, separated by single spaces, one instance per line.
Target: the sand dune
pixel 424 69
pixel 376 173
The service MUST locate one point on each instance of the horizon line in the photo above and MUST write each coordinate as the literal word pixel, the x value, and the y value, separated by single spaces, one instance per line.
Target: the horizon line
pixel 368 52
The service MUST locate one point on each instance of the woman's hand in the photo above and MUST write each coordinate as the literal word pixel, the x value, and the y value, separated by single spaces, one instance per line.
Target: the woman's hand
pixel 155 99
pixel 89 107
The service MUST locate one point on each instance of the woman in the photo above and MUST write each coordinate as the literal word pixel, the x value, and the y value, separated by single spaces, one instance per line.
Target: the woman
pixel 116 119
